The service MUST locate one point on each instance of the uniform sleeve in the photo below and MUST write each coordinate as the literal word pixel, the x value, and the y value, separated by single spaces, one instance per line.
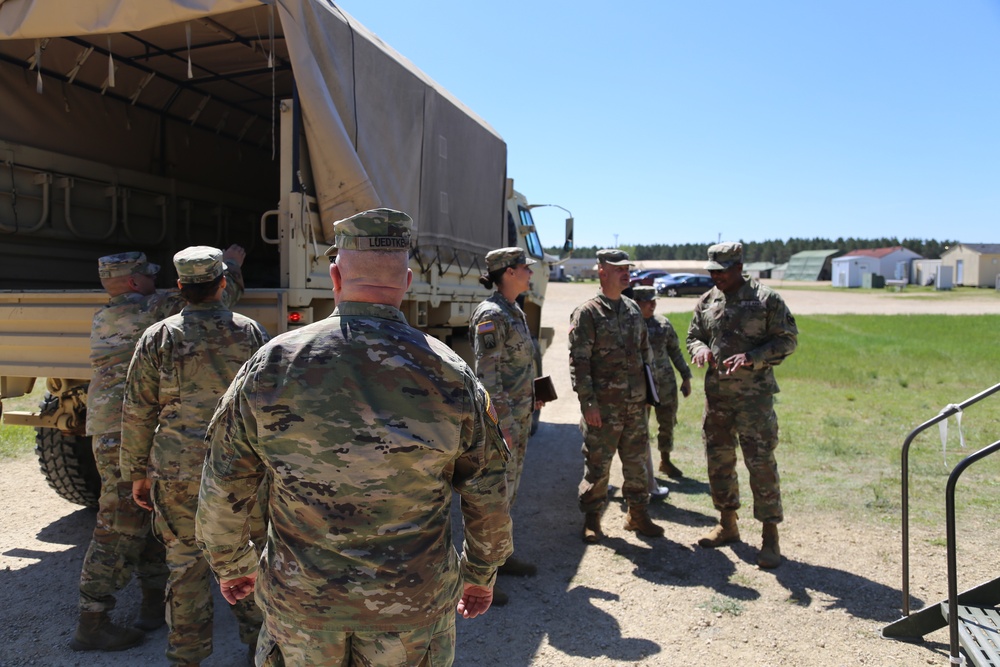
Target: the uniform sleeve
pixel 489 331
pixel 141 406
pixel 698 336
pixel 230 481
pixel 674 351
pixel 480 478
pixel 782 335
pixel 581 346
pixel 234 284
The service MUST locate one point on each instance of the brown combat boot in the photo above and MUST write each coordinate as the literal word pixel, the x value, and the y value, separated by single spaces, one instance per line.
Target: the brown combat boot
pixel 96 632
pixel 725 532
pixel 669 469
pixel 770 553
pixel 152 613
pixel 639 521
pixel 592 533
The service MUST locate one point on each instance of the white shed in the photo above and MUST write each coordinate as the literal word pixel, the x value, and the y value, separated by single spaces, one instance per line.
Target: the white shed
pixel 893 263
pixel 849 270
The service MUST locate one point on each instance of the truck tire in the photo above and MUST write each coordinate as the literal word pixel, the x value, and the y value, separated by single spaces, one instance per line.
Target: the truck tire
pixel 67 462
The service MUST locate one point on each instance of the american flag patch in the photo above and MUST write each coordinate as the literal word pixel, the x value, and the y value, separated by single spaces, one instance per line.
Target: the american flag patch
pixel 485 327
pixel 491 411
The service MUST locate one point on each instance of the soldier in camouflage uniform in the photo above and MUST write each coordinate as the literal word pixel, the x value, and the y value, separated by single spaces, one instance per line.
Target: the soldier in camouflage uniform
pixel 505 364
pixel 366 426
pixel 666 350
pixel 122 541
pixel 741 330
pixel 181 366
pixel 608 346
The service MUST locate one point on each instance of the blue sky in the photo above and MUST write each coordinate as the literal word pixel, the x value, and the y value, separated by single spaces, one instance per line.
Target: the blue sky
pixel 686 122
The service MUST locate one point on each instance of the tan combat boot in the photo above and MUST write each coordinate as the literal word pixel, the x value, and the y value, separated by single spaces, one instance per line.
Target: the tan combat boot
pixel 668 468
pixel 639 521
pixel 592 528
pixel 152 612
pixel 725 532
pixel 770 553
pixel 96 632
pixel 517 568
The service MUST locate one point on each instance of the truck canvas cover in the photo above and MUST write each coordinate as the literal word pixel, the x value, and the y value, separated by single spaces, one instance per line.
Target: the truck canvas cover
pixel 187 89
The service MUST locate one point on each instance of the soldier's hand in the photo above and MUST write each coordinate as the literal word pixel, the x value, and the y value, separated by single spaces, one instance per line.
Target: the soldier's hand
pixel 686 387
pixel 475 600
pixel 235 590
pixel 702 357
pixel 593 417
pixel 140 493
pixel 235 253
pixel 736 361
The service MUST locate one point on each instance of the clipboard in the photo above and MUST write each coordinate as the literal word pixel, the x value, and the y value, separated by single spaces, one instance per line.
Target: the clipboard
pixel 545 391
pixel 652 396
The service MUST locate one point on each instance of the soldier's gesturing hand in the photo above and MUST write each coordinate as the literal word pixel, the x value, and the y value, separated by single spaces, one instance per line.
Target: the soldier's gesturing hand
pixel 475 600
pixel 736 361
pixel 235 590
pixel 592 416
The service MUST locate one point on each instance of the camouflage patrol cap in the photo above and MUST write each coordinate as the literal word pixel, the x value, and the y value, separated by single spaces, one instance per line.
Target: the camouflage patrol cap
pixel 377 229
pixel 125 264
pixel 199 264
pixel 721 256
pixel 614 256
pixel 643 293
pixel 506 257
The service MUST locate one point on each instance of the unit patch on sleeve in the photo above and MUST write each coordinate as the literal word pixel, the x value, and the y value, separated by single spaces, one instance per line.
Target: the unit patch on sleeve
pixel 487 331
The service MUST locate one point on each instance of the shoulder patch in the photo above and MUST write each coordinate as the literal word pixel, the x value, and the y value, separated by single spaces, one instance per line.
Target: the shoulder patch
pixel 485 326
pixel 490 410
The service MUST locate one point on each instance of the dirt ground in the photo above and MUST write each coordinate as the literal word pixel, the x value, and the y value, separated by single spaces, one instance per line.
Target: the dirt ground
pixel 626 601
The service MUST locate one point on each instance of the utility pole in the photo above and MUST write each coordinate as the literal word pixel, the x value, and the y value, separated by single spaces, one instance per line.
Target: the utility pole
pixel 616 240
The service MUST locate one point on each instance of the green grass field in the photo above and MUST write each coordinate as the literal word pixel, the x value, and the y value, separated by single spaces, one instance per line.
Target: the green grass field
pixel 19 440
pixel 855 388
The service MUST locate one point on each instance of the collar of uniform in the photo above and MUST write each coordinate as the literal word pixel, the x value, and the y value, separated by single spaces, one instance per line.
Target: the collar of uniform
pixel 207 305
pixel 508 305
pixel 361 309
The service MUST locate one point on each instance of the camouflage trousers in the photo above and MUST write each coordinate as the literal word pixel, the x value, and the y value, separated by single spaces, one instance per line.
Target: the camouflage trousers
pixel 751 422
pixel 625 430
pixel 666 419
pixel 122 542
pixel 284 644
pixel 520 432
pixel 189 588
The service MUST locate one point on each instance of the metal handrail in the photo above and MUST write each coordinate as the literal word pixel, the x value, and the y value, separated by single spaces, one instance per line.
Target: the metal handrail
pixel 905 486
pixel 952 556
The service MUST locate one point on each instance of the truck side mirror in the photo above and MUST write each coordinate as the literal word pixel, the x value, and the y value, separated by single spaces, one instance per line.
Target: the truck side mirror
pixel 568 245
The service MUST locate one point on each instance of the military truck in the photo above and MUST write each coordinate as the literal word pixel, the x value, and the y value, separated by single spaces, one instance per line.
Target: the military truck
pixel 157 125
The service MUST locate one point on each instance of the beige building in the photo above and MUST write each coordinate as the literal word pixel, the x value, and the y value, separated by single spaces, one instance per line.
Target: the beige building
pixel 973 264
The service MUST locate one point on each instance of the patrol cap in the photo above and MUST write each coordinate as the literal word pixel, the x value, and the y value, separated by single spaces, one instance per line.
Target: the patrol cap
pixel 506 257
pixel 613 256
pixel 643 293
pixel 199 264
pixel 721 256
pixel 376 229
pixel 125 264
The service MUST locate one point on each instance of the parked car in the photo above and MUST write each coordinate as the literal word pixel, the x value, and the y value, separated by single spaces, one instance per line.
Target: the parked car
pixel 646 277
pixel 680 284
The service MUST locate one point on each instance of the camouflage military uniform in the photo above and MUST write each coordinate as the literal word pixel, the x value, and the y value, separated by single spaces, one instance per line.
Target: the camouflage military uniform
pixel 739 407
pixel 122 541
pixel 362 427
pixel 666 349
pixel 505 364
pixel 608 346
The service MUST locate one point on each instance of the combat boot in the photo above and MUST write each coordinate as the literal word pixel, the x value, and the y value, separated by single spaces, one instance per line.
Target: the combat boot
pixel 770 553
pixel 726 531
pixel 592 528
pixel 499 598
pixel 152 612
pixel 639 521
pixel 517 568
pixel 668 468
pixel 96 632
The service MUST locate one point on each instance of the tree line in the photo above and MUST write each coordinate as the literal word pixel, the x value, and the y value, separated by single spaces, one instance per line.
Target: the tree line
pixel 776 251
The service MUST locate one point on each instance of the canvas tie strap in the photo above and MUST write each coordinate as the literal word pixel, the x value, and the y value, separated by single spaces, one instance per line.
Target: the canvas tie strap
pixel 38 66
pixel 943 428
pixel 187 33
pixel 111 65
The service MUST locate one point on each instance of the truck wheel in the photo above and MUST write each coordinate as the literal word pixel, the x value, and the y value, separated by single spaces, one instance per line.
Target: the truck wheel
pixel 68 465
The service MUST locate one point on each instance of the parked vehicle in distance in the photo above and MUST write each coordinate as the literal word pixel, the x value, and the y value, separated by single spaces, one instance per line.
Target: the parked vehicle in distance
pixel 680 284
pixel 646 277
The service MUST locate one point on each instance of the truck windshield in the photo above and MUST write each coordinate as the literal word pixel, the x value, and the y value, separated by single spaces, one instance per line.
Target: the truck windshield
pixel 531 238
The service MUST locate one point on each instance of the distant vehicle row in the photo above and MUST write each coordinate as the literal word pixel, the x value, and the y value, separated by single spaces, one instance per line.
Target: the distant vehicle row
pixel 671 284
